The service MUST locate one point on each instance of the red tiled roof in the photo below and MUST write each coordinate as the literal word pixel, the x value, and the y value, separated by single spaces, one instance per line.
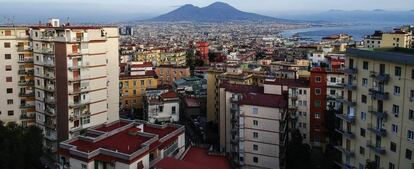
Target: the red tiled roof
pixel 290 82
pixel 200 157
pixel 144 64
pixel 112 126
pixel 169 95
pixel 122 142
pixel 238 88
pixel 172 163
pixel 264 100
pixel 149 73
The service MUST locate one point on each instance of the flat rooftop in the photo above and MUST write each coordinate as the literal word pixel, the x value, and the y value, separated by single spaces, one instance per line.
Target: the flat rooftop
pixel 195 158
pixel 394 55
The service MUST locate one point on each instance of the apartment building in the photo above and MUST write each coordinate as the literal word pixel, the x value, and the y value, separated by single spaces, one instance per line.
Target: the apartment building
pixel 76 78
pixel 138 77
pixel 167 74
pixel 191 86
pixel 377 110
pixel 401 38
pixel 374 40
pixel 253 125
pixel 16 80
pixel 123 145
pixel 162 106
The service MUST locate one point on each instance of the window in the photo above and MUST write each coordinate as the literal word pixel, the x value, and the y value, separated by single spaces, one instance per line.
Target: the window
pixel 300 91
pixel 412 74
pixel 83 166
pixel 255 123
pixel 332 92
pixel 317 115
pixel 396 110
pixel 364 99
pixel 333 80
pixel 391 166
pixel 304 125
pixel 10 113
pixel 410 135
pixel 255 159
pixel 365 82
pixel 318 79
pixel 255 110
pixel 161 108
pixel 393 147
pixel 9 90
pixel 305 103
pixel 305 92
pixel 361 150
pixel 142 82
pixel 7 56
pixel 304 114
pixel 7 32
pixel 255 135
pixel 86 120
pixel 9 79
pixel 394 128
pixel 6 44
pixel 8 67
pixel 411 114
pixel 397 90
pixel 363 116
pixel 365 65
pixel 317 103
pixel 255 147
pixel 173 110
pixel 397 71
pixel 318 91
pixel 134 92
pixel 362 132
pixel 408 154
pixel 9 101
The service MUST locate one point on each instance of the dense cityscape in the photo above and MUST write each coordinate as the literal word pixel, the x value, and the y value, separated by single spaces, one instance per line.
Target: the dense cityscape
pixel 192 92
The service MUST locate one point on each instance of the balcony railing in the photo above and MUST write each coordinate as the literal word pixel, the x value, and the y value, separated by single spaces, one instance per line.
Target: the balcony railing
pixel 347 152
pixel 377 149
pixel 234 110
pixel 27 106
pixel 378 95
pixel 26 60
pixel 347 134
pixel 347 102
pixel 349 71
pixel 25 94
pixel 79 103
pixel 26 116
pixel 26 82
pixel 47 51
pixel 347 118
pixel 22 48
pixel 379 77
pixel 349 86
pixel 379 114
pixel 378 131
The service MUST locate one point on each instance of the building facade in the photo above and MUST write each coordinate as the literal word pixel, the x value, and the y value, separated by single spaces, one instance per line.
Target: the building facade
pixel 167 74
pixel 377 111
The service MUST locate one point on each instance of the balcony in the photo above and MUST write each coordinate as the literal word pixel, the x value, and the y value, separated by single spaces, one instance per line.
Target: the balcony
pixel 234 110
pixel 26 60
pixel 26 94
pixel 26 106
pixel 347 118
pixel 49 75
pixel 22 48
pixel 382 78
pixel 26 116
pixel 50 100
pixel 50 112
pixel 234 99
pixel 48 50
pixel 378 95
pixel 347 152
pixel 379 114
pixel 347 134
pixel 349 71
pixel 335 97
pixel 49 63
pixel 349 86
pixel 22 72
pixel 347 102
pixel 378 131
pixel 50 137
pixel 377 149
pixel 79 104
pixel 26 83
pixel 50 125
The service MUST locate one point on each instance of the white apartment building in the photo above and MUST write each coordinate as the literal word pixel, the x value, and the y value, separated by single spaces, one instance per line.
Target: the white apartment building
pixel 16 77
pixel 299 108
pixel 378 112
pixel 76 78
pixel 253 125
pixel 162 107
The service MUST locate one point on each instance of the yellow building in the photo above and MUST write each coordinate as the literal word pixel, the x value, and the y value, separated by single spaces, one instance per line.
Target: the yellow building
pixel 132 89
pixel 396 39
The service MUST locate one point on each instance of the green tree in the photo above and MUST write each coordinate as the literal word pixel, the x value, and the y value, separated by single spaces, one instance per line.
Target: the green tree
pixel 298 154
pixel 21 147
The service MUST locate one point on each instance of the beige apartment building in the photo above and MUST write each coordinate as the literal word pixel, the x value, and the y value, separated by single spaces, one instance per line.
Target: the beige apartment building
pixel 76 78
pixel 398 38
pixel 377 117
pixel 253 123
pixel 16 79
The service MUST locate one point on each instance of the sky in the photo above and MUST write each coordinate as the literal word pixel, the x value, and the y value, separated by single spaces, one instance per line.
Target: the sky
pixel 123 10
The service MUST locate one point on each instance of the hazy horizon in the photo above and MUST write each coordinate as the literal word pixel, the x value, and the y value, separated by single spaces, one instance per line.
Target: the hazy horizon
pixel 24 11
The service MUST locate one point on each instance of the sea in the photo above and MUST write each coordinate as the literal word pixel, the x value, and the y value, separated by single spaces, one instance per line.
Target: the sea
pixel 358 31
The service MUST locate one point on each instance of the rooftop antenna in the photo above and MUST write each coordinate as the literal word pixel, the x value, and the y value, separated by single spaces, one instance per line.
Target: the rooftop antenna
pixel 67 21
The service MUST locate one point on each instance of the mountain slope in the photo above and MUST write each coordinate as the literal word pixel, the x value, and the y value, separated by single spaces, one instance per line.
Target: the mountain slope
pixel 216 12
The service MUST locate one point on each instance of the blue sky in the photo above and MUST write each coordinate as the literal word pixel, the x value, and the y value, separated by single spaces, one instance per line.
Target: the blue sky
pixel 126 9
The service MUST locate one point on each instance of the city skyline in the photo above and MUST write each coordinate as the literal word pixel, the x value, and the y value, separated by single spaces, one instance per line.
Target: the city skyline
pixel 22 11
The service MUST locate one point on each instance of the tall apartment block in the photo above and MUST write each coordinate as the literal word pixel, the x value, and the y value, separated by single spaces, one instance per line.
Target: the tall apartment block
pixel 16 79
pixel 76 78
pixel 377 110
pixel 253 123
